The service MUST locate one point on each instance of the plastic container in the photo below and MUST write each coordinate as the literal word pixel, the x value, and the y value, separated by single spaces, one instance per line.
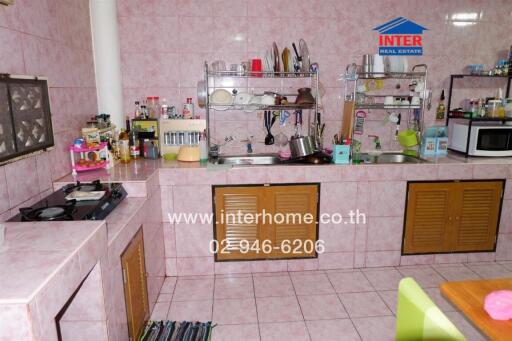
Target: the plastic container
pixel 476 69
pixel 170 156
pixel 407 138
pixel 435 141
pixel 341 153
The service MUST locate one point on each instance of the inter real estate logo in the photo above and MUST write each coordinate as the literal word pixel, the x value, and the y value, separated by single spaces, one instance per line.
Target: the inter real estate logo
pixel 400 37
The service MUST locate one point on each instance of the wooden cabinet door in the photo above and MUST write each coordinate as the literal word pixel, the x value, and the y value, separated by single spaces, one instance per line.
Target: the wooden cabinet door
pixel 427 221
pixel 452 216
pixel 476 215
pixel 230 203
pixel 272 201
pixel 135 288
pixel 292 203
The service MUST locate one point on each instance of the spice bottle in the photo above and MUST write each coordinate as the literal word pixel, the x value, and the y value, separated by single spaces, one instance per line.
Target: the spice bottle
pixel 441 108
pixel 188 109
pixel 124 147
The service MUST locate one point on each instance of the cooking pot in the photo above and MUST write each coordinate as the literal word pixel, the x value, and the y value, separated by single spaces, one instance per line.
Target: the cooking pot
pixel 301 146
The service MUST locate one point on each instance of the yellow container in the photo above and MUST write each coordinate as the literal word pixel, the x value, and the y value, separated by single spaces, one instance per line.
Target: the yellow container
pixel 170 156
pixel 408 138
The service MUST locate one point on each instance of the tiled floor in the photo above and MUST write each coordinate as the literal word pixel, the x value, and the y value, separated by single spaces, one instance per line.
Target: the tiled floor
pixel 314 305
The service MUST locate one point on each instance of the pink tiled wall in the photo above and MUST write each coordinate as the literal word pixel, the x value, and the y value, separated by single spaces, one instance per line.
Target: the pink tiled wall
pixel 47 38
pixel 165 43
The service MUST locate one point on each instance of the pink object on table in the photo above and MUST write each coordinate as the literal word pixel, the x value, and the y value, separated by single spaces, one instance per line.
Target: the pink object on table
pixel 498 304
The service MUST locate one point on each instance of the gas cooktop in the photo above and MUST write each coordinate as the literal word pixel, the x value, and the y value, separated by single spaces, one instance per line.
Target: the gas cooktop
pixel 56 207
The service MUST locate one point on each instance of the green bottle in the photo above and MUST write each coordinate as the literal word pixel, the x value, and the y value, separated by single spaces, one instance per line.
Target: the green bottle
pixel 441 108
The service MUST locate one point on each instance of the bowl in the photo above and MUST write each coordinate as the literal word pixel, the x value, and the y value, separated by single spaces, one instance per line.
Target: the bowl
pixel 170 156
pixel 221 97
pixel 243 98
pixel 189 154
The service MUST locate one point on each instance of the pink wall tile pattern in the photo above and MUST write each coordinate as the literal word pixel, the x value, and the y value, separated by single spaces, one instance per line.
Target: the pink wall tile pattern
pixel 49 38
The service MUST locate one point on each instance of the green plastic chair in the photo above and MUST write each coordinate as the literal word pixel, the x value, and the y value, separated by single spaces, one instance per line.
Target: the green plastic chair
pixel 418 318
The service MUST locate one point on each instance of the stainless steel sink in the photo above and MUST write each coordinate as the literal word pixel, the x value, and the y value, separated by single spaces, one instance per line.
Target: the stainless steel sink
pixel 256 159
pixel 390 158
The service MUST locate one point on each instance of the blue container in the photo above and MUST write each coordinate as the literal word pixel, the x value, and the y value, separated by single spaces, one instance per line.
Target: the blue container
pixel 341 153
pixel 435 141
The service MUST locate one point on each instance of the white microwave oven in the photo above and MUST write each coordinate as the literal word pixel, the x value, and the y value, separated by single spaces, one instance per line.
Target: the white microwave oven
pixel 485 138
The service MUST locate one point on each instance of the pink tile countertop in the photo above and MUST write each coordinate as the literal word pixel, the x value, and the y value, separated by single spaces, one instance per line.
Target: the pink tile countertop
pixel 122 215
pixel 135 171
pixel 35 253
pixel 140 171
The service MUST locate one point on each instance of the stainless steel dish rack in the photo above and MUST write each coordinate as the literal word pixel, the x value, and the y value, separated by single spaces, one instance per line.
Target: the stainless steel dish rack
pixel 247 81
pixel 368 101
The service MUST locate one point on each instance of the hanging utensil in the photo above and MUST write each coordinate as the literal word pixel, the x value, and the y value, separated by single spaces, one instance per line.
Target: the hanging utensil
pixel 298 123
pixel 269 139
pixel 398 124
pixel 275 114
pixel 298 59
pixel 283 118
pixel 318 122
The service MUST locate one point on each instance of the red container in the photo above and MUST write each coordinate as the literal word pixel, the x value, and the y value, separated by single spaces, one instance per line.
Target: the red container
pixel 256 67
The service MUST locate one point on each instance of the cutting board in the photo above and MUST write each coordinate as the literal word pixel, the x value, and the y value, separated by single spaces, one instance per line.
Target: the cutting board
pixel 347 124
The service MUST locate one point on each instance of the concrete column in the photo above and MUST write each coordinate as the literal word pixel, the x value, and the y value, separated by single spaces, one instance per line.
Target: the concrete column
pixel 107 59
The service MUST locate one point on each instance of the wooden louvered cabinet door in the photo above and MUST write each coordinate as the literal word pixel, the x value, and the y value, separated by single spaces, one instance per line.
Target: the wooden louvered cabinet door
pixel 229 232
pixel 452 216
pixel 293 201
pixel 271 200
pixel 427 219
pixel 475 225
pixel 135 287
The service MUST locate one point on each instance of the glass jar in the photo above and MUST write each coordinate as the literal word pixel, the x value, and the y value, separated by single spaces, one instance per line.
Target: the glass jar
pixel 508 108
pixel 153 103
pixel 495 109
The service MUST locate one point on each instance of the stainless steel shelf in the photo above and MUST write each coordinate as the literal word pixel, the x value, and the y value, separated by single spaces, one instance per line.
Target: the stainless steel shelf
pixel 387 75
pixel 262 74
pixel 253 107
pixel 384 106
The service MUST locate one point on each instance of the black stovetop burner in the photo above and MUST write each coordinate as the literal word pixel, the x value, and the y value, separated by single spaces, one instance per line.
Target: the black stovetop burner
pixel 96 185
pixel 55 207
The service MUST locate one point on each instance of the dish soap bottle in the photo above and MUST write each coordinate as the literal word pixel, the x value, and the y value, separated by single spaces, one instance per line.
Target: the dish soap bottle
pixel 441 108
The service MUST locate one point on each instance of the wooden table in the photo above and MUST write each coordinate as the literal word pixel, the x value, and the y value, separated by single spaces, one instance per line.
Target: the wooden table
pixel 469 297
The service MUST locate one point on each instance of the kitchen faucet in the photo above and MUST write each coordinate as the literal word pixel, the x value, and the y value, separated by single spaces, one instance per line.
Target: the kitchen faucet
pixel 376 141
pixel 248 142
